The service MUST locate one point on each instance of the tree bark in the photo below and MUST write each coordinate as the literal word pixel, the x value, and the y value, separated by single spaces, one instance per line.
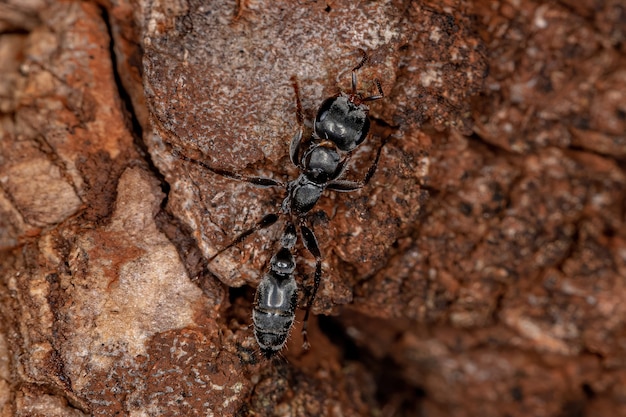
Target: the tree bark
pixel 480 272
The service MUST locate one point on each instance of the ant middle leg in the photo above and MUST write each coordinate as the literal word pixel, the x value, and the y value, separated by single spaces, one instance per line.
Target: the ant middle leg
pixel 259 181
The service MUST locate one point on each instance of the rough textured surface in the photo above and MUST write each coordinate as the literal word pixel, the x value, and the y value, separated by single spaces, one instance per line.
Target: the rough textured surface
pixel 481 272
pixel 237 125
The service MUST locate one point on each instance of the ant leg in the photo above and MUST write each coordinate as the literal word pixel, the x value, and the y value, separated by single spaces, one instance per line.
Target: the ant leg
pixel 266 221
pixel 294 147
pixel 345 186
pixel 260 181
pixel 310 242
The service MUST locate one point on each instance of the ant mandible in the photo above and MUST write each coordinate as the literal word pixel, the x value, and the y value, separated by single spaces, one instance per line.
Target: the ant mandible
pixel 340 126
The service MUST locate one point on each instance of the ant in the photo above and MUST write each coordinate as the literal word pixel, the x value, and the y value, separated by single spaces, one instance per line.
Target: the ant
pixel 340 126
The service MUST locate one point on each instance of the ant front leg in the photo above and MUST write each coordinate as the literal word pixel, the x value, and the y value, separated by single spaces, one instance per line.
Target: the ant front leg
pixel 294 147
pixel 346 186
pixel 310 242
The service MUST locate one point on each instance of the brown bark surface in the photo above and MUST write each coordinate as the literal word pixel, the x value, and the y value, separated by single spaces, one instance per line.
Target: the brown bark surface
pixel 481 272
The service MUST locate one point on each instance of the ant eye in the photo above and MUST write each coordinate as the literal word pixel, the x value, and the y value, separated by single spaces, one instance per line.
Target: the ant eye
pixel 322 113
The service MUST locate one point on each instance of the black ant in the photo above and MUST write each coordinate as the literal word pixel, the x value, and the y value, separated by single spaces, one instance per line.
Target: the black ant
pixel 340 126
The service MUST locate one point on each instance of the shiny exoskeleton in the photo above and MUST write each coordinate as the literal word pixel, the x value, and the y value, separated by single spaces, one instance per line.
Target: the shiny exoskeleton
pixel 341 125
pixel 276 298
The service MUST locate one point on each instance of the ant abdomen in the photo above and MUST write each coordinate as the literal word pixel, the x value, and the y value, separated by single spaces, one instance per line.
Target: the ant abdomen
pixel 275 303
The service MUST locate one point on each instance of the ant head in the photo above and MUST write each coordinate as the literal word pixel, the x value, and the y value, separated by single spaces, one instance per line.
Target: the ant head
pixel 343 120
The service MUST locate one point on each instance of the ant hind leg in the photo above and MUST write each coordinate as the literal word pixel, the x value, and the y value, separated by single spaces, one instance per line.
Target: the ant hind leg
pixel 310 242
pixel 265 222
